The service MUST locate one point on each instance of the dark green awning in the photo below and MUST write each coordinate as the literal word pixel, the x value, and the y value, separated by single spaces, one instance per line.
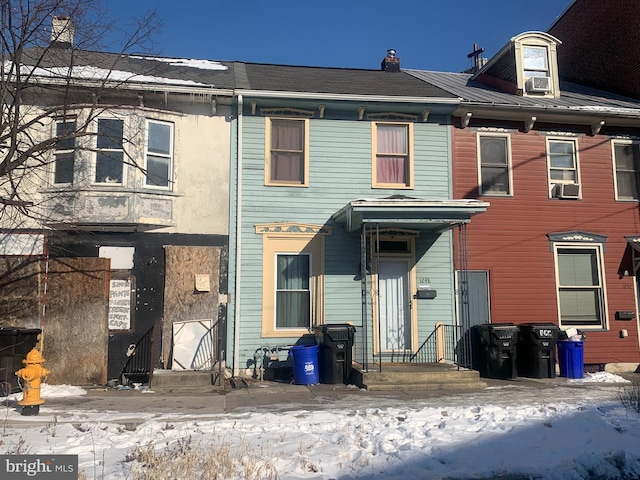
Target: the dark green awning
pixel 407 212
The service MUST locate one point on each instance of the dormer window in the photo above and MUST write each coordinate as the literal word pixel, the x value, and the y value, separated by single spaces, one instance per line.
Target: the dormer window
pixel 527 66
pixel 537 65
pixel 535 62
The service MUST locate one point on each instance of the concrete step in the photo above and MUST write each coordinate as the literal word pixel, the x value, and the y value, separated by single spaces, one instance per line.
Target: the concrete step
pixel 419 377
pixel 183 380
pixel 427 386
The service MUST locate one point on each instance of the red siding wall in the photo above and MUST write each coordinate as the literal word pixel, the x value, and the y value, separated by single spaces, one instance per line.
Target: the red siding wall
pixel 510 239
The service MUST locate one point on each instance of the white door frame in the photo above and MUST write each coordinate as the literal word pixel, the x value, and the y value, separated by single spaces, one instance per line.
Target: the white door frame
pixel 408 306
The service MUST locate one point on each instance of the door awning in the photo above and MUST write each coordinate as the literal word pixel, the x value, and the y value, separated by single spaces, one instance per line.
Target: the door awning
pixel 408 212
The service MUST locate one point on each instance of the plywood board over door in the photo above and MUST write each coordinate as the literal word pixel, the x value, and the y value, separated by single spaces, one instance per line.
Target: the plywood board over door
pixel 191 289
pixel 76 321
pixel 20 291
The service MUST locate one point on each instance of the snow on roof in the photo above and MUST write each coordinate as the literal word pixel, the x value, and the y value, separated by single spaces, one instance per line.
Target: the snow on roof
pixel 605 109
pixel 186 62
pixel 101 74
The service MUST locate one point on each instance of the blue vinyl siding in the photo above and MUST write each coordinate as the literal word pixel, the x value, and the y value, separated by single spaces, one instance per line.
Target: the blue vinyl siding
pixel 339 172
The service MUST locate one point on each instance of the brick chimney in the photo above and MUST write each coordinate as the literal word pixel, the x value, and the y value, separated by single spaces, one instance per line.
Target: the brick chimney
pixel 391 63
pixel 62 31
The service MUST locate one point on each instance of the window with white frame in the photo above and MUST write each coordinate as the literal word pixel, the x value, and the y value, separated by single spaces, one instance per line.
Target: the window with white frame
pixel 563 162
pixel 494 158
pixel 626 160
pixel 535 61
pixel 392 155
pixel 580 285
pixel 109 151
pixel 159 154
pixel 64 152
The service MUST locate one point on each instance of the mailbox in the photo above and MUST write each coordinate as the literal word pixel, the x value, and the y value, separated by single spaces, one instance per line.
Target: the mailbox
pixel 425 292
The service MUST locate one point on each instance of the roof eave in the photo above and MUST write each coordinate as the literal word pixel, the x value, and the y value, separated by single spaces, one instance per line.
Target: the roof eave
pixel 549 114
pixel 345 96
pixel 133 85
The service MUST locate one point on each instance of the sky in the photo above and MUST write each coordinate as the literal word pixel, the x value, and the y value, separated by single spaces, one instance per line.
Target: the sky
pixel 426 34
pixel 576 430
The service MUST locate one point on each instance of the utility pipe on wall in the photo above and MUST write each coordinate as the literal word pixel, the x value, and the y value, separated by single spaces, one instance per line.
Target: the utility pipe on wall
pixel 236 297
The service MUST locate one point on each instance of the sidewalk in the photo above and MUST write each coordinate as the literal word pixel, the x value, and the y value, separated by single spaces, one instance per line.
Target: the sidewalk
pixel 523 427
pixel 133 407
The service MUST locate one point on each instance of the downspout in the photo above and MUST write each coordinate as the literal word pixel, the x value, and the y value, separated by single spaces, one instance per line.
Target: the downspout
pixel 238 244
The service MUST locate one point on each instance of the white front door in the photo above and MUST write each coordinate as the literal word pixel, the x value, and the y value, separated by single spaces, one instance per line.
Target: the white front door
pixel 394 306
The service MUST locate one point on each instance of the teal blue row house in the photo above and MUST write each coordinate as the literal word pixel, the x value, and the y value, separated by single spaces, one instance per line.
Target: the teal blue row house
pixel 341 211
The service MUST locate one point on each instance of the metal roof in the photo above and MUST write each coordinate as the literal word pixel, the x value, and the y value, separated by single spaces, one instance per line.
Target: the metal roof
pixel 573 97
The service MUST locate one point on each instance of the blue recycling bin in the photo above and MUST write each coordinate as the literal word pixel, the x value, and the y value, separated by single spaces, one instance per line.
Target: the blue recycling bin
pixel 571 358
pixel 305 364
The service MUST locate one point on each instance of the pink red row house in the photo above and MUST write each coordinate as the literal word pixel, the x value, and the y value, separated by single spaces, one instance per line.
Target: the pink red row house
pixel 559 164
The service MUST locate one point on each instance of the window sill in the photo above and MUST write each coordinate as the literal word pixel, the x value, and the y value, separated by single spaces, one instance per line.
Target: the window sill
pixel 285 333
pixel 393 186
pixel 295 185
pixel 105 187
pixel 585 328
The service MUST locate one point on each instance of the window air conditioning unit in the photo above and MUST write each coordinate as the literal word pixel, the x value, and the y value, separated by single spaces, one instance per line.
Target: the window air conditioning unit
pixel 539 84
pixel 568 190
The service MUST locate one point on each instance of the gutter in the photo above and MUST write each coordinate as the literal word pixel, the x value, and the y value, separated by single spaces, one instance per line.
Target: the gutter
pixel 238 246
pixel 346 97
pixel 131 85
pixel 622 112
pixel 596 118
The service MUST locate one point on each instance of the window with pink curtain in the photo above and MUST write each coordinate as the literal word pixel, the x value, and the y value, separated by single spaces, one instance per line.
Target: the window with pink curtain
pixel 287 151
pixel 392 155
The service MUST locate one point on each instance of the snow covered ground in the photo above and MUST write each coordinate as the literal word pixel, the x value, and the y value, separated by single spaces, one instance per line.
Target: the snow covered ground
pixel 581 433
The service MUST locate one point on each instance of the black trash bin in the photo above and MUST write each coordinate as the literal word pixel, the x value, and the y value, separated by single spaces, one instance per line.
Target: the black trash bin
pixel 494 350
pixel 335 352
pixel 537 350
pixel 15 343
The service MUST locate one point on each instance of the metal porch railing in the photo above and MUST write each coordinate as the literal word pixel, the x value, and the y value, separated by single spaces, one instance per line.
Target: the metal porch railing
pixel 143 358
pixel 446 344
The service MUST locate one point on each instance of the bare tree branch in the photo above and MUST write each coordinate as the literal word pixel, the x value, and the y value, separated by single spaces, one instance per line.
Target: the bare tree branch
pixel 47 75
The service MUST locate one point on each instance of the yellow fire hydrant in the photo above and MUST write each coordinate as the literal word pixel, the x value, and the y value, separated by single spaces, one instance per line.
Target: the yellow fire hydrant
pixel 32 374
